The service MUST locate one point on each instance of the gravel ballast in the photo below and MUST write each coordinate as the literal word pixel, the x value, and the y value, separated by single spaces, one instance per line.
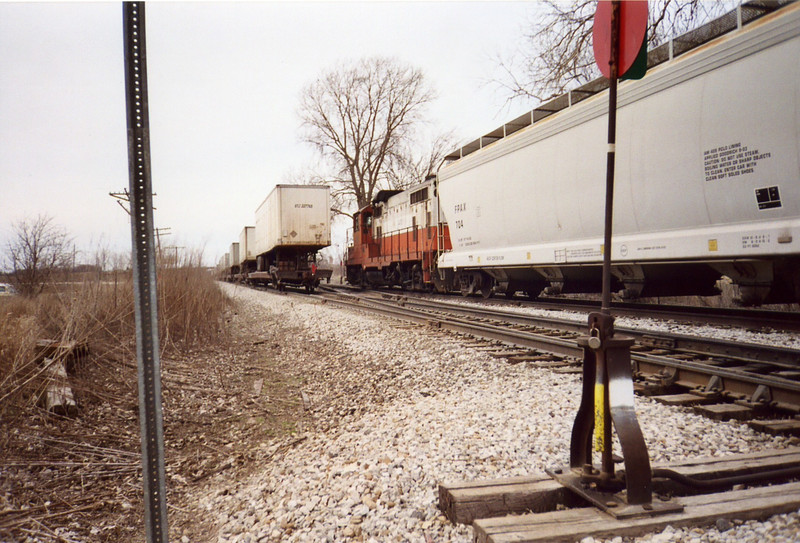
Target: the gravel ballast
pixel 393 410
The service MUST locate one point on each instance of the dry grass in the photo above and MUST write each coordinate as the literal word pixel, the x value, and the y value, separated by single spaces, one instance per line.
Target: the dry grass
pixel 99 312
pixel 64 455
pixel 191 307
pixel 19 330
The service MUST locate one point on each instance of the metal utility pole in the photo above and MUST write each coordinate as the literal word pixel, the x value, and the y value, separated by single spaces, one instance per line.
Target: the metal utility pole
pixel 144 274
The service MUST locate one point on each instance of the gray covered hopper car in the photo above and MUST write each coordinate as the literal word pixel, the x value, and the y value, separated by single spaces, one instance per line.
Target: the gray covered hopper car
pixel 707 180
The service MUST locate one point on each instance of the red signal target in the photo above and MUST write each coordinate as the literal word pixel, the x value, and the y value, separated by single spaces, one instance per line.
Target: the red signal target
pixel 632 30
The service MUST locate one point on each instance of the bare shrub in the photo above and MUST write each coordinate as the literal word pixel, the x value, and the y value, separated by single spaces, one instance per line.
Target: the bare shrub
pixel 39 248
pixel 99 312
pixel 50 461
pixel 18 333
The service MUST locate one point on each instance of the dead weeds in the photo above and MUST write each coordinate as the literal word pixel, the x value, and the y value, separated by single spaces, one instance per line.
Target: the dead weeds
pixel 79 479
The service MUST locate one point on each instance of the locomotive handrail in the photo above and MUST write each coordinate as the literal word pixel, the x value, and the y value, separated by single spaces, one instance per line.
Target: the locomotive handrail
pixel 393 244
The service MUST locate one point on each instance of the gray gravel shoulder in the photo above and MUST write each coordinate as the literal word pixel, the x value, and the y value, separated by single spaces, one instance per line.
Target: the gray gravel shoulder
pixel 395 410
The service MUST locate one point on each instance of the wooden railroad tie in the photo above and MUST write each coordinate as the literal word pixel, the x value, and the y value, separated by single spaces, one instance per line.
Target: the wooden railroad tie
pixel 776 427
pixel 682 400
pixel 537 508
pixel 725 411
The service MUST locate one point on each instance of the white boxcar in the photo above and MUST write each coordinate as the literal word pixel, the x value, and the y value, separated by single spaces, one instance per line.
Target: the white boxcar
pixel 234 252
pixel 294 216
pixel 707 179
pixel 247 248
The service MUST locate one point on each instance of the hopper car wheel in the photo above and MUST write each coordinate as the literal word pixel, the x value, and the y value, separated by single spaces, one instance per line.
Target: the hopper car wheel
pixel 485 285
pixel 466 284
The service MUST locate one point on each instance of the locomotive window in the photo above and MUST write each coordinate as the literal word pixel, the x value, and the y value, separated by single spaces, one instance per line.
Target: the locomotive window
pixel 419 196
pixel 378 211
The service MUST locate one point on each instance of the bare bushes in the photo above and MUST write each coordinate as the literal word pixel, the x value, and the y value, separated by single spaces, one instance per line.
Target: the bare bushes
pixel 18 332
pixel 78 478
pixel 99 313
pixel 191 306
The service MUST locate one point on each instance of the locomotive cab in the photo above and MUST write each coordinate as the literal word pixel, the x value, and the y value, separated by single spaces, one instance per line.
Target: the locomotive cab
pixel 363 239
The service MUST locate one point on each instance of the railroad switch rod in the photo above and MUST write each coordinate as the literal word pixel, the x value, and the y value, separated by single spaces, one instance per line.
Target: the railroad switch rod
pixel 607 400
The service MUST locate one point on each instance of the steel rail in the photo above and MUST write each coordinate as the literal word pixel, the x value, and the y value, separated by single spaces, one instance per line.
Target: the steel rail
pixel 745 352
pixel 740 384
pixel 749 318
pixel 746 318
pixel 566 347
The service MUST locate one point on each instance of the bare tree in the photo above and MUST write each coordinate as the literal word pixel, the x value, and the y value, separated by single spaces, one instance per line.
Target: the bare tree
pixel 360 117
pixel 39 248
pixel 413 165
pixel 557 52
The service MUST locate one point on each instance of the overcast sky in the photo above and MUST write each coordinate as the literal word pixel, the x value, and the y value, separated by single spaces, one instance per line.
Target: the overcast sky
pixel 224 85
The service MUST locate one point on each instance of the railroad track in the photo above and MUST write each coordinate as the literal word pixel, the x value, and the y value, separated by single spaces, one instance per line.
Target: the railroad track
pixel 734 379
pixel 744 318
pixel 751 319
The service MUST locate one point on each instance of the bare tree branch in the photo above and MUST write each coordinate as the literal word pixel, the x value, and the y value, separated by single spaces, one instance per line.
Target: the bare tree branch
pixel 360 117
pixel 557 55
pixel 412 166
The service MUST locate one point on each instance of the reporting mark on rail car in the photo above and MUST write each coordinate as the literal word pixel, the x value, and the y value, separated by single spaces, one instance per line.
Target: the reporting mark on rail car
pixel 647 248
pixel 731 161
pixel 754 241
